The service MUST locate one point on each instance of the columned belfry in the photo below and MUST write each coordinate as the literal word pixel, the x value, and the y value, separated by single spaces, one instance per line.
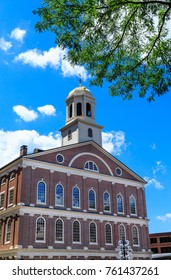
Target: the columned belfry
pixel 80 118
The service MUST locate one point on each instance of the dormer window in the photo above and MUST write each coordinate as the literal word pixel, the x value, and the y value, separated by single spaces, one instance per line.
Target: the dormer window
pixel 90 165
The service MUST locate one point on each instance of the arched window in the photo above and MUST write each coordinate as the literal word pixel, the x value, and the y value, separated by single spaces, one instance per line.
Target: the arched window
pixel 40 229
pixel 122 235
pixel 108 234
pixel 59 231
pixel 90 132
pixel 12 176
pixel 120 203
pixel 91 199
pixel 79 109
pixel 59 195
pixel 132 205
pixel 76 232
pixel 75 197
pixel 106 201
pixel 3 181
pixel 93 233
pixel 70 110
pixel 41 193
pixel 69 134
pixel 8 230
pixel 88 109
pixel 90 165
pixel 135 240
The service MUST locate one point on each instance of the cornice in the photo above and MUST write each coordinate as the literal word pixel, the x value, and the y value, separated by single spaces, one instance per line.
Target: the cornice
pixel 69 214
pixel 80 172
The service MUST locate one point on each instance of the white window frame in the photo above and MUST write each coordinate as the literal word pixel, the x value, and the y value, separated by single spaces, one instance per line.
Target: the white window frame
pixel 44 233
pixel 2 193
pixel 77 207
pixel 56 204
pixel 61 241
pixel 39 202
pixel 9 191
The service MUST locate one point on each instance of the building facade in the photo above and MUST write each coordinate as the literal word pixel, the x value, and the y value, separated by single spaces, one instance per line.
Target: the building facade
pixel 75 201
pixel 160 244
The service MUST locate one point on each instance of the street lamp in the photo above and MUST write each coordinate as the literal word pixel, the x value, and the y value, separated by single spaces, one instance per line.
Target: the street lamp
pixel 125 251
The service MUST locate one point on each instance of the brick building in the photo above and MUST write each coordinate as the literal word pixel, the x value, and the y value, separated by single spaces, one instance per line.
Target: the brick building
pixel 160 244
pixel 75 201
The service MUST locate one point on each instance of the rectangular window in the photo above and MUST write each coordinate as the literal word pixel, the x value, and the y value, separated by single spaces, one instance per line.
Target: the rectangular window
pixel 2 196
pixel 153 240
pixel 11 197
pixel 165 239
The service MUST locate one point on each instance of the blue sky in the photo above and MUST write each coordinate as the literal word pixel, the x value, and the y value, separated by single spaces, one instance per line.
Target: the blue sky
pixel 34 83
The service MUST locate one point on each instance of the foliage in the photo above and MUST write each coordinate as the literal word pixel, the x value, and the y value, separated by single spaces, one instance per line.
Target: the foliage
pixel 125 43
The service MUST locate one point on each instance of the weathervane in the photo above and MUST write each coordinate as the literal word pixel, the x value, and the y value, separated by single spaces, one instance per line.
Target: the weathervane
pixel 80 80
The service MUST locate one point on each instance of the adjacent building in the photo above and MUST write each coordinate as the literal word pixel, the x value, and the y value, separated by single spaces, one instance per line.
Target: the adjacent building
pixel 75 201
pixel 160 244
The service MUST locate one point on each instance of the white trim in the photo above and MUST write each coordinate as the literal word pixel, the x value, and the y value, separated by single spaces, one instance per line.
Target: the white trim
pixel 92 209
pixel 135 245
pixel 60 205
pixel 119 194
pixel 133 214
pixel 10 189
pixel 76 207
pixel 93 243
pixel 62 241
pixel 80 215
pixel 84 173
pixel 108 244
pixel 90 154
pixel 76 242
pixel 44 234
pixel 37 202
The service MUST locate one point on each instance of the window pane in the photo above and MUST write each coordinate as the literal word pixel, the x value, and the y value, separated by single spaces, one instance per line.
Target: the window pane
pixel 59 195
pixel 121 232
pixel 41 197
pixel 8 230
pixel 92 204
pixel 76 231
pixel 93 233
pixel 11 197
pixel 2 200
pixel 120 203
pixel 75 197
pixel 135 236
pixel 106 200
pixel 40 229
pixel 59 230
pixel 108 233
pixel 132 205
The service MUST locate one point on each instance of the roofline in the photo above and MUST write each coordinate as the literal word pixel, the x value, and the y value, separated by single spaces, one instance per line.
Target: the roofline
pixel 61 148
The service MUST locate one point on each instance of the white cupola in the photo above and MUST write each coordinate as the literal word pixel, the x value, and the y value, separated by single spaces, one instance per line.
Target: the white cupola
pixel 80 118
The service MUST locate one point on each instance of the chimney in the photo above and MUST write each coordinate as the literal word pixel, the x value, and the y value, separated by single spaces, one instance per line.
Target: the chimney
pixel 23 150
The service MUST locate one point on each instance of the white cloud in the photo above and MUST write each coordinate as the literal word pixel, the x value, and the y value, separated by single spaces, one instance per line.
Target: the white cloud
pixel 165 218
pixel 24 113
pixel 5 45
pixel 54 58
pixel 159 167
pixel 18 34
pixel 153 146
pixel 154 182
pixel 114 142
pixel 48 110
pixel 11 141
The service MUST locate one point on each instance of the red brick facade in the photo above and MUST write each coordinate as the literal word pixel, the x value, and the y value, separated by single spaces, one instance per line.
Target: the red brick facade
pixel 19 219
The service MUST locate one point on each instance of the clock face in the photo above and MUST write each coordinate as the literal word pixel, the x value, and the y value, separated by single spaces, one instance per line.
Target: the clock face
pixel 59 158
